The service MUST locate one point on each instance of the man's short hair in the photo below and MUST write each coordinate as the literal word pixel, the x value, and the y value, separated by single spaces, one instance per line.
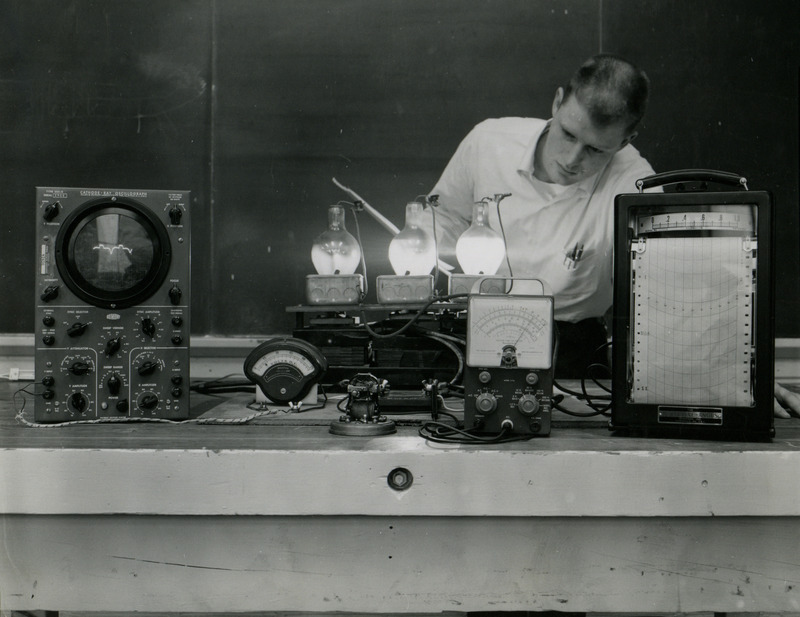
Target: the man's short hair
pixel 612 89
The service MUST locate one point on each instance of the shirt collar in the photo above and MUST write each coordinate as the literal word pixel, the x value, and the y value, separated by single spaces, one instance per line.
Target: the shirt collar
pixel 525 166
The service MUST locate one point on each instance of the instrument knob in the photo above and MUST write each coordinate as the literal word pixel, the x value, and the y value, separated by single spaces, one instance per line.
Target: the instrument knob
pixel 77 329
pixel 80 367
pixel 528 404
pixel 113 345
pixel 50 293
pixel 148 401
pixel 114 384
pixel 175 215
pixel 148 327
pixel 486 403
pixel 78 402
pixel 51 211
pixel 147 367
pixel 175 294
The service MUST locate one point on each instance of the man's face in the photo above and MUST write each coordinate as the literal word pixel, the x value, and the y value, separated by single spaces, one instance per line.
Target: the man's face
pixel 575 148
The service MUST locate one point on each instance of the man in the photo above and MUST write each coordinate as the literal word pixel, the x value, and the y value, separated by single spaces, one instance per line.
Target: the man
pixel 562 175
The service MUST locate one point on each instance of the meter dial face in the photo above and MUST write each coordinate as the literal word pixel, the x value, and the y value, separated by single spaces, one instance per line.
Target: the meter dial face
pixel 285 369
pixel 510 331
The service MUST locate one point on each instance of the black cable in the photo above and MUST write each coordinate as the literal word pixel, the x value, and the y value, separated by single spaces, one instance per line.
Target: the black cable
pixel 432 201
pixel 222 385
pixel 505 243
pixel 411 321
pixel 440 432
pixel 584 395
pixel 359 206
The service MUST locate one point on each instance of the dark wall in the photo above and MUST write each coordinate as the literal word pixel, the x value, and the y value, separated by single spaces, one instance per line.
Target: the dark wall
pixel 255 105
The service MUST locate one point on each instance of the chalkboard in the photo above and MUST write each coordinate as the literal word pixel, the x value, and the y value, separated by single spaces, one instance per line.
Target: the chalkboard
pixel 255 105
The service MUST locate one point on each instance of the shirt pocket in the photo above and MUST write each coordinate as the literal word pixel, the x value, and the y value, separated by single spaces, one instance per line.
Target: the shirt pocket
pixel 575 276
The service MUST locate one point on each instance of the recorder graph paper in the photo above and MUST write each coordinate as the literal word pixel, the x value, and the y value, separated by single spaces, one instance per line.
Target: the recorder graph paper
pixel 692 321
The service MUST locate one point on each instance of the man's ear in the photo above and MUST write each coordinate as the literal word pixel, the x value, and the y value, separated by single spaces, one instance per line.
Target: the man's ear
pixel 628 139
pixel 557 100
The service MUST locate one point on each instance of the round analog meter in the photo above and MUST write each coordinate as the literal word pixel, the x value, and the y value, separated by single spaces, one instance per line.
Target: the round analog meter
pixel 285 369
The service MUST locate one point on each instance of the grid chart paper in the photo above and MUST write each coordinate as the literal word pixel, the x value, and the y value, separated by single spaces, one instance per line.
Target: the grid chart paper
pixel 692 321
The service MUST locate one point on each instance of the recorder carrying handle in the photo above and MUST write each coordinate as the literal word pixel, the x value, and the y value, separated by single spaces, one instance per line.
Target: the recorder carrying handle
pixel 700 176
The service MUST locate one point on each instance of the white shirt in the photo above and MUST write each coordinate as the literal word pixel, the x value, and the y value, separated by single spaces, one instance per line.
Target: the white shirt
pixel 543 223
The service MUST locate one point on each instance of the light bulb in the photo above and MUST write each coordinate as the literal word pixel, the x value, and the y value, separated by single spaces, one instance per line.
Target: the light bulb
pixel 335 250
pixel 480 249
pixel 412 251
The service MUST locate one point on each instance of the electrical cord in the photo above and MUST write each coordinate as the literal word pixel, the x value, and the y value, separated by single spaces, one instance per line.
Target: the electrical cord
pixel 440 432
pixel 450 343
pixel 358 206
pixel 599 403
pixel 411 321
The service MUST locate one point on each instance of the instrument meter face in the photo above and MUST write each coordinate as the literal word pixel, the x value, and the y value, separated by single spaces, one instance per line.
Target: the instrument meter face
pixel 285 369
pixel 510 331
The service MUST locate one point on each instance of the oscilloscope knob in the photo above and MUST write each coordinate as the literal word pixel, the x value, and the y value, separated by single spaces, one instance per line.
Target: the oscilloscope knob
pixel 77 329
pixel 78 402
pixel 148 401
pixel 113 345
pixel 50 293
pixel 80 367
pixel 114 384
pixel 175 294
pixel 51 211
pixel 175 215
pixel 148 327
pixel 148 367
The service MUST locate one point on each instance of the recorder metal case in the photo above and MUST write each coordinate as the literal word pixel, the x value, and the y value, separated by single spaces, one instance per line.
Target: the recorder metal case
pixel 693 333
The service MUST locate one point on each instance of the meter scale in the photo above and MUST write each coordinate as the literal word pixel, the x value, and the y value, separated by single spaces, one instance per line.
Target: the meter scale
pixel 511 325
pixel 521 325
pixel 695 221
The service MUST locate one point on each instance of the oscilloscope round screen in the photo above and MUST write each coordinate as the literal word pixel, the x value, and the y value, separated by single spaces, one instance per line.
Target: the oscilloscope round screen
pixel 113 254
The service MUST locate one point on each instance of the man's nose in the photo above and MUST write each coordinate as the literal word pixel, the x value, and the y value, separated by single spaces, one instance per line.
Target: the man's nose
pixel 574 156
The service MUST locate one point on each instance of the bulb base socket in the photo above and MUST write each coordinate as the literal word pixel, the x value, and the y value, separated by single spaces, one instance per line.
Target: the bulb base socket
pixel 411 289
pixel 328 289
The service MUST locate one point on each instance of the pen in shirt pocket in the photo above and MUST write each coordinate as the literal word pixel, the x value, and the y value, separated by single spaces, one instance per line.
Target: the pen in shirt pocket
pixel 573 255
